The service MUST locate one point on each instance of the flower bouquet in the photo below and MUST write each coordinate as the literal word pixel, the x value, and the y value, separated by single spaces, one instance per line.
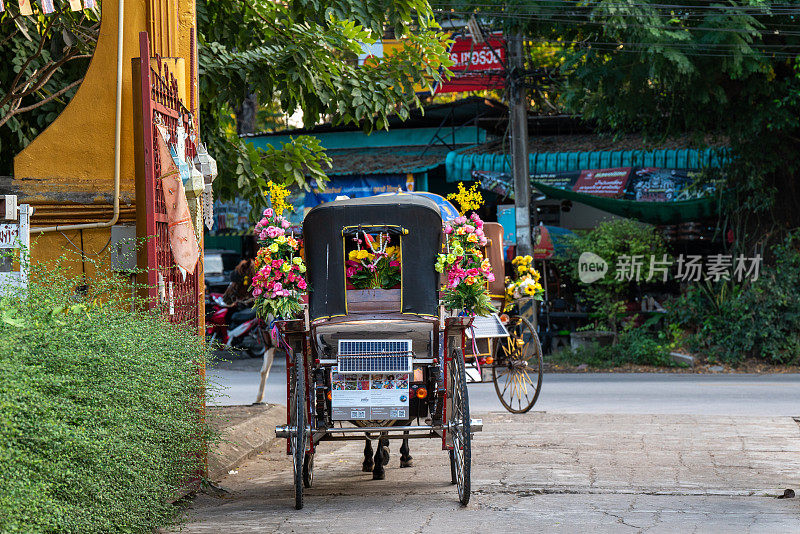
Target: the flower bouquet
pixel 376 265
pixel 524 283
pixel 468 272
pixel 278 284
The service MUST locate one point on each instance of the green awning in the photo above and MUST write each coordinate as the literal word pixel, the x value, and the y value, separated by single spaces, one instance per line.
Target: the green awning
pixel 651 212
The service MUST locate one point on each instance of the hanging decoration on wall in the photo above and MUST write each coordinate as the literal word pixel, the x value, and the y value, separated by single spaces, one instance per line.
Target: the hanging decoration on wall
pixel 89 4
pixel 47 6
pixel 25 7
pixel 2 6
pixel 207 166
pixel 75 5
pixel 182 238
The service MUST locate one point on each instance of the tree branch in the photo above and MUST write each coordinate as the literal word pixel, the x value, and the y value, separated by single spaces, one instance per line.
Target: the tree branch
pixel 42 39
pixel 48 99
pixel 45 75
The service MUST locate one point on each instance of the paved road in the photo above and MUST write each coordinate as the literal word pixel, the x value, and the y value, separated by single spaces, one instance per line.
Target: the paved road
pixel 538 472
pixel 605 393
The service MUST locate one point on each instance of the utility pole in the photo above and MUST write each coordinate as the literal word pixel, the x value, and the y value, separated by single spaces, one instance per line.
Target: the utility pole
pixel 519 148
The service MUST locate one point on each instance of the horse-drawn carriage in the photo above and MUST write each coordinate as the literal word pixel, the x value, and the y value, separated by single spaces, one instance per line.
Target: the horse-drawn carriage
pixel 376 363
pixel 387 361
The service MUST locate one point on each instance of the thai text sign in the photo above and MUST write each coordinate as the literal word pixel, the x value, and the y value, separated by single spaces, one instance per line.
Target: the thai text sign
pixel 9 235
pixel 477 66
pixel 603 182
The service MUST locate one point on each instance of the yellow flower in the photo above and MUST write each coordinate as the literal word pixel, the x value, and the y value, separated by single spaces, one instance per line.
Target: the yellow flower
pixel 277 197
pixel 470 280
pixel 390 251
pixel 467 199
pixel 536 275
pixel 296 260
pixel 472 238
pixel 353 255
pixel 530 290
pixel 485 265
pixel 528 259
pixel 362 254
pixel 286 267
pixel 281 239
pixel 522 269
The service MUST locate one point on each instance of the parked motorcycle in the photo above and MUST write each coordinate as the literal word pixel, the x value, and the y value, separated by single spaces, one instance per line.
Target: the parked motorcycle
pixel 233 327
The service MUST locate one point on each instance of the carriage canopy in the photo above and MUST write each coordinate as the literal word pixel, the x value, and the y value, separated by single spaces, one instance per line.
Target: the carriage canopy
pixel 414 222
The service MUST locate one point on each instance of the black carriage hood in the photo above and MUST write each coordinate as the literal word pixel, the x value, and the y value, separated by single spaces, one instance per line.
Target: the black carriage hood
pixel 323 229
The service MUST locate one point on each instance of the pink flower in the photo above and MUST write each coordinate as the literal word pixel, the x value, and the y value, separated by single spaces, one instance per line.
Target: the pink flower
pixel 490 276
pixel 256 292
pixel 460 219
pixel 469 229
pixel 301 284
pixel 268 212
pixel 448 230
pixel 483 241
pixel 285 223
pixel 394 263
pixel 277 286
pixel 274 231
pixel 473 272
pixel 262 235
pixel 263 222
pixel 276 264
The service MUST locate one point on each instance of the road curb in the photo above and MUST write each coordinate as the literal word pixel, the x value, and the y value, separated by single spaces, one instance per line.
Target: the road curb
pixel 241 441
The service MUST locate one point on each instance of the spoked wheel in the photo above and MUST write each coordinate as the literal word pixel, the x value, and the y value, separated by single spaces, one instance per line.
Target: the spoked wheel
pixel 459 426
pixel 308 470
pixel 298 429
pixel 517 370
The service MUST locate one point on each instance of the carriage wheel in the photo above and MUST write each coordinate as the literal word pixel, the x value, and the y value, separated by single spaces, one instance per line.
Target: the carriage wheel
pixel 308 470
pixel 517 370
pixel 298 436
pixel 459 426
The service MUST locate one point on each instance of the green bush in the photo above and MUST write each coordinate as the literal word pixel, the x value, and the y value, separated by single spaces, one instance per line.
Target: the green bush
pixel 613 240
pixel 730 321
pixel 100 409
pixel 634 346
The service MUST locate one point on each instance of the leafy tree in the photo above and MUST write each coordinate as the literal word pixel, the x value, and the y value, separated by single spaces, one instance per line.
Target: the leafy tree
pixel 727 69
pixel 302 54
pixel 46 58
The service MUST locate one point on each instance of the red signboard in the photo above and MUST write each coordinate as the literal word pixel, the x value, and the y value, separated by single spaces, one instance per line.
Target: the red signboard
pixel 603 182
pixel 542 244
pixel 477 66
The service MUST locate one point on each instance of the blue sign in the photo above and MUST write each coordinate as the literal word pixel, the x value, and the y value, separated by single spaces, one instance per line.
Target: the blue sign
pixel 357 186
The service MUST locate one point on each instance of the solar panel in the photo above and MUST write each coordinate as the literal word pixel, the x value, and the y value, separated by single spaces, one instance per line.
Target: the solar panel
pixel 486 327
pixel 374 356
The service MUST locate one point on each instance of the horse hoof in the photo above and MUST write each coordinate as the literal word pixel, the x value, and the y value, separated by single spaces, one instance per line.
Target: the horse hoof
pixel 367 467
pixel 407 463
pixel 385 460
pixel 378 476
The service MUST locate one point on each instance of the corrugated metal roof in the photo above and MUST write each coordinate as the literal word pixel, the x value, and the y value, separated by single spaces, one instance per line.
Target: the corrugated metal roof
pixel 387 160
pixel 460 165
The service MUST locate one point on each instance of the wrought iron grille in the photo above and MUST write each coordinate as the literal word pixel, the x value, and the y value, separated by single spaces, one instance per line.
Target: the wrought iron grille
pixel 179 297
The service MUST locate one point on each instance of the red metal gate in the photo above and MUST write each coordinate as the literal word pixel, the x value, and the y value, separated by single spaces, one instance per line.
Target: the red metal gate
pixel 181 299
